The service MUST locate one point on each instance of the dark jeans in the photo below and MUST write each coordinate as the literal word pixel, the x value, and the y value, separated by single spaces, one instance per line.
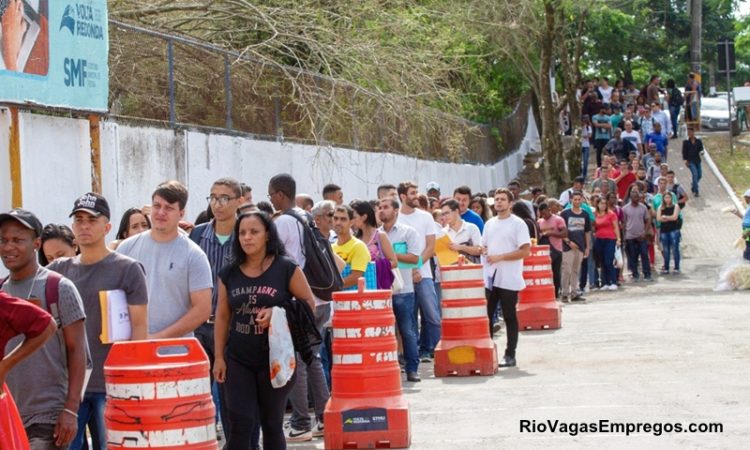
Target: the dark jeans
pixel 674 112
pixel 403 309
pixel 585 151
pixel 41 437
pixel 508 301
pixel 604 249
pixel 697 174
pixel 746 254
pixel 252 400
pixel 636 249
pixel 556 269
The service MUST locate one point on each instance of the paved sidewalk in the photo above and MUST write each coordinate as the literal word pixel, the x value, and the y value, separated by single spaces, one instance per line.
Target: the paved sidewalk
pixel 668 351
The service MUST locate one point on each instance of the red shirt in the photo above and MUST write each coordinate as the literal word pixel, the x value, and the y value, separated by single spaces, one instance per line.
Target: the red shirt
pixel 605 225
pixel 624 184
pixel 18 316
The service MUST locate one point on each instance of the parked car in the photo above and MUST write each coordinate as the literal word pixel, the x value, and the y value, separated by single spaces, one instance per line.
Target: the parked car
pixel 715 113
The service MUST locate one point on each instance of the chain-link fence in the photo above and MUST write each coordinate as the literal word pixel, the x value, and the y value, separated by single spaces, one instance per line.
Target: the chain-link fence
pixel 185 82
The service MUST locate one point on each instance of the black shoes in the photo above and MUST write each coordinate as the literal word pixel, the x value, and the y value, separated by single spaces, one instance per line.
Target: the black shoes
pixel 413 377
pixel 508 361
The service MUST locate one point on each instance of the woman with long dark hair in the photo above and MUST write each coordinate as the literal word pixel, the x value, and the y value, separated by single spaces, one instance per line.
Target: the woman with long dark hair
pixel 58 241
pixel 669 232
pixel 260 277
pixel 522 211
pixel 478 204
pixel 133 221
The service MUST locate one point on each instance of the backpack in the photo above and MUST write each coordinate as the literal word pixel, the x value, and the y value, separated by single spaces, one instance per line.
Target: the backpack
pixel 320 266
pixel 51 294
pixel 676 98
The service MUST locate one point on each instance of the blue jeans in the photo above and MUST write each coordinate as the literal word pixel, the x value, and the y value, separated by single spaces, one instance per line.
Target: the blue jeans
pixel 429 309
pixel 586 151
pixel 638 249
pixel 697 173
pixel 670 245
pixel 674 112
pixel 605 252
pixel 746 253
pixel 403 309
pixel 92 408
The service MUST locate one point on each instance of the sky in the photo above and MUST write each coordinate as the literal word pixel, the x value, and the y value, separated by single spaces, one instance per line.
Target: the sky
pixel 743 8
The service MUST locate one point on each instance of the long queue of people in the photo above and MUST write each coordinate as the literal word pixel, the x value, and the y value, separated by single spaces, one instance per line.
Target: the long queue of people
pixel 218 280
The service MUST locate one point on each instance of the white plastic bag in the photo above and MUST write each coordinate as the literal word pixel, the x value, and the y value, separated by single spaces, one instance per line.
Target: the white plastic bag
pixel 398 280
pixel 734 275
pixel 280 349
pixel 618 257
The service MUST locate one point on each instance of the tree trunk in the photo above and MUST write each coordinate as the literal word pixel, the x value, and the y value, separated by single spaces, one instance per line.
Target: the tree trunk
pixel 552 146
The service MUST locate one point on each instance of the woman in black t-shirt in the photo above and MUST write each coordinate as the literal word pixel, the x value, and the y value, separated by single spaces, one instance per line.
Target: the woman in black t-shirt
pixel 669 232
pixel 260 277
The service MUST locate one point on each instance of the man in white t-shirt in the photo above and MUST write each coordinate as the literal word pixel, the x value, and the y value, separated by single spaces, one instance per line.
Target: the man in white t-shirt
pixel 506 242
pixel 632 137
pixel 424 288
pixel 606 90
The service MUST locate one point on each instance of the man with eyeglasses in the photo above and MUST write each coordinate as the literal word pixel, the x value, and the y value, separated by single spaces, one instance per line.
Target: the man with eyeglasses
pixel 215 239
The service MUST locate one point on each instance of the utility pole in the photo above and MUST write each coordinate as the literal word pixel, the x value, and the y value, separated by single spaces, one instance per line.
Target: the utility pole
pixel 696 23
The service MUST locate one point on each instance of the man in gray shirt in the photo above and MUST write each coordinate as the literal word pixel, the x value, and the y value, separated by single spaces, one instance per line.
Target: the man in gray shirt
pixel 47 385
pixel 97 269
pixel 177 271
pixel 638 231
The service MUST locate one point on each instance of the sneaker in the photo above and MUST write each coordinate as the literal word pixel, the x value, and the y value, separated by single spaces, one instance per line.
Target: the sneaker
pixel 664 272
pixel 676 272
pixel 497 327
pixel 648 279
pixel 578 298
pixel 565 299
pixel 426 359
pixel 294 435
pixel 319 429
pixel 611 287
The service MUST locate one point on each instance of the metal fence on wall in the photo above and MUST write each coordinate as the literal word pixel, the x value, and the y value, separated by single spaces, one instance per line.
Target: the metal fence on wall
pixel 185 82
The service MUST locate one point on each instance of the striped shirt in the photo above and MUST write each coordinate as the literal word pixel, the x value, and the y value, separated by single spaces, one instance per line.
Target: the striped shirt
pixel 219 255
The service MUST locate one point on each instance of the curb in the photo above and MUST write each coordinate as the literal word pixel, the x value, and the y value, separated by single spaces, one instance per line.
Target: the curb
pixel 723 181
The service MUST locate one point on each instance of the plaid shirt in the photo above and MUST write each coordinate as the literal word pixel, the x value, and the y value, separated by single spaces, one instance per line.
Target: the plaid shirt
pixel 219 255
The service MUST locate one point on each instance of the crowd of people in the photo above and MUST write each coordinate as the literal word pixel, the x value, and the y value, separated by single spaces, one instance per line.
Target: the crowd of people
pixel 217 279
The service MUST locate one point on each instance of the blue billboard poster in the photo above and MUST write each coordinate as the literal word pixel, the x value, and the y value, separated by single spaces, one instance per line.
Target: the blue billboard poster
pixel 54 53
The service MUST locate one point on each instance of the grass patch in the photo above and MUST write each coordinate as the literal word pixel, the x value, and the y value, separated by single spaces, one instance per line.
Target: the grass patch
pixel 735 167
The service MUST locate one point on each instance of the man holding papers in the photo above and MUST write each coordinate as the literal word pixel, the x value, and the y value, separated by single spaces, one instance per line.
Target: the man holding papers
pixel 47 385
pixel 465 236
pixel 406 245
pixel 99 274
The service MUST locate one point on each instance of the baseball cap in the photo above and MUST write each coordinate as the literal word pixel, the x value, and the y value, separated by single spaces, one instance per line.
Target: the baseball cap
pixel 432 186
pixel 92 203
pixel 25 218
pixel 747 193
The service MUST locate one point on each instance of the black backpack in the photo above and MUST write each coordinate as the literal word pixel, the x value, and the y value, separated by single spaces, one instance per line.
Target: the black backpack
pixel 676 98
pixel 320 266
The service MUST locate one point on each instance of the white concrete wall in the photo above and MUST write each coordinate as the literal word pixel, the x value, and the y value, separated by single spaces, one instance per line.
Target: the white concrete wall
pixel 55 160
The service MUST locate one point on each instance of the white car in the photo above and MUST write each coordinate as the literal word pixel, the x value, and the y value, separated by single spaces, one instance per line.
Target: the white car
pixel 715 113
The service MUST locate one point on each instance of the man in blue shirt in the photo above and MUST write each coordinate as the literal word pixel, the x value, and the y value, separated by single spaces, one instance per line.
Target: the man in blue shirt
pixel 658 138
pixel 462 195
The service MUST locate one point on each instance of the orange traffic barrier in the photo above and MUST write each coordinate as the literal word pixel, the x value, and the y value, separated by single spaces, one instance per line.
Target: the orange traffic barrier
pixel 12 432
pixel 366 408
pixel 537 307
pixel 159 395
pixel 465 346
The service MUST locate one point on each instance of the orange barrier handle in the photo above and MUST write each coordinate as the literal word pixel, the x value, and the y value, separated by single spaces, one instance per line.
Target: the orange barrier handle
pixel 147 352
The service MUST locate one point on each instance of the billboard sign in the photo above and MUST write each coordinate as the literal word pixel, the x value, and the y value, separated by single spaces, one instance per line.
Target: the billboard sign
pixel 54 53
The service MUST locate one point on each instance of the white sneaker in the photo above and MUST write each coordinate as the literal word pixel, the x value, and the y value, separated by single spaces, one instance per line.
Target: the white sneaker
pixel 612 287
pixel 294 435
pixel 318 429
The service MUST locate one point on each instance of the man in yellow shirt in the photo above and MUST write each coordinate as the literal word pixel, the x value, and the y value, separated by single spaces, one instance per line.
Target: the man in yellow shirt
pixel 353 251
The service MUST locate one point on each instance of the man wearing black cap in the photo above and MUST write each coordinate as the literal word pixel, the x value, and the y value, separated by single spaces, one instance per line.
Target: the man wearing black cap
pixel 97 269
pixel 48 401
